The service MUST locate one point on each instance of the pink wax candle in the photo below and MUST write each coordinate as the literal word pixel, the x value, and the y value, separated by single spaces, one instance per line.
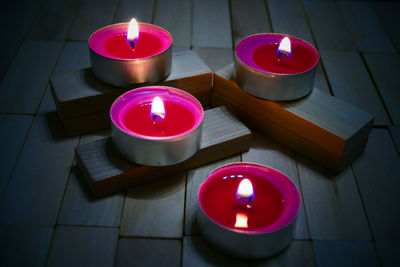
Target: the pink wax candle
pixel 265 70
pixel 153 131
pixel 263 213
pixel 121 61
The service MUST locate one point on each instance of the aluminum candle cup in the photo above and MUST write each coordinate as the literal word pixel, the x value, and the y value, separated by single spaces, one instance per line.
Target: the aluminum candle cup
pixel 248 210
pixel 115 62
pixel 263 71
pixel 156 125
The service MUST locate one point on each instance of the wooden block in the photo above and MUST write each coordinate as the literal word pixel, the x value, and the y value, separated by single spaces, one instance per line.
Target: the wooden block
pixel 175 16
pixel 24 245
pixel 385 68
pixel 83 101
pixel 83 246
pixel 25 82
pixel 366 29
pixel 211 24
pixel 318 126
pixel 164 197
pixel 345 253
pixel 148 252
pixel 333 204
pixel 197 252
pixel 106 171
pixel 350 81
pixel 267 152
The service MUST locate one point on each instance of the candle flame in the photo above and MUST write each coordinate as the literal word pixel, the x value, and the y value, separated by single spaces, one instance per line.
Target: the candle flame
pixel 241 220
pixel 245 189
pixel 284 48
pixel 157 112
pixel 132 37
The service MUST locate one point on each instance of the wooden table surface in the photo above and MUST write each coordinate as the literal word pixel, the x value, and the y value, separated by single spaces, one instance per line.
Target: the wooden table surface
pixel 46 214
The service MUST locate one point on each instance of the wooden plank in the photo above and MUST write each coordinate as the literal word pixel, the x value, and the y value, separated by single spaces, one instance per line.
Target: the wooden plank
pixel 175 16
pixel 196 252
pixel 395 133
pixel 148 252
pixel 328 25
pixel 267 152
pixel 83 246
pixel 79 93
pixel 164 198
pixel 384 68
pixel 388 13
pixel 345 253
pixel 75 56
pixel 377 174
pixel 248 17
pixel 366 29
pixel 54 20
pixel 86 124
pixel 195 178
pixel 92 15
pixel 35 191
pixel 211 24
pixel 215 57
pixel 350 82
pixel 13 130
pixel 128 9
pixel 333 206
pixel 24 84
pixel 319 126
pixel 107 172
pixel 24 245
pixel 288 17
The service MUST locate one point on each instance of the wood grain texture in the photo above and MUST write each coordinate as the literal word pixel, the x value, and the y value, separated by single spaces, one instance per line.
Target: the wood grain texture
pixel 74 56
pixel 385 68
pixel 25 82
pixel 54 20
pixel 319 126
pixel 24 245
pixel 388 13
pixel 328 25
pixel 333 206
pixel 148 252
pixel 92 15
pixel 288 17
pixel 83 246
pixel 79 93
pixel 196 252
pixel 211 24
pixel 175 16
pixel 345 253
pixel 248 17
pixel 366 29
pixel 195 177
pixel 140 10
pixel 215 57
pixel 13 130
pixel 165 198
pixel 377 174
pixel 350 82
pixel 36 188
pixel 267 152
pixel 107 172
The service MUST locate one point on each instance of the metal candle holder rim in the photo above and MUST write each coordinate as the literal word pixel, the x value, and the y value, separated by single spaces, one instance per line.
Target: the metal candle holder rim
pixel 237 59
pixel 132 59
pixel 177 91
pixel 260 231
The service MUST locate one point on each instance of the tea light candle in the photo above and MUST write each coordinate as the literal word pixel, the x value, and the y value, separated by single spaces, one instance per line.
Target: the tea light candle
pixel 248 210
pixel 275 66
pixel 131 53
pixel 156 125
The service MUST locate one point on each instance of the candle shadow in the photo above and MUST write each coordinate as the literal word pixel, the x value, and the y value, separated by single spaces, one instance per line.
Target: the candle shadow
pixel 55 127
pixel 89 78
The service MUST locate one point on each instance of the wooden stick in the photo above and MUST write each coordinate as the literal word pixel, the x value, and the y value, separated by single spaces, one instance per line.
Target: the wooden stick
pixel 107 172
pixel 319 126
